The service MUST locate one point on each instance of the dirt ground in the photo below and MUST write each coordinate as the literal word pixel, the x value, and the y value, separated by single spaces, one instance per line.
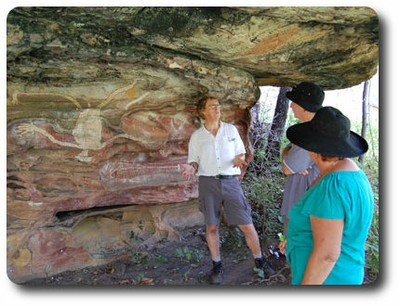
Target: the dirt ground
pixel 177 263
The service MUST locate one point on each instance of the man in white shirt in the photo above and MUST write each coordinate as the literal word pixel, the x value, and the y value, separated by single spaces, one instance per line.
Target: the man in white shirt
pixel 216 154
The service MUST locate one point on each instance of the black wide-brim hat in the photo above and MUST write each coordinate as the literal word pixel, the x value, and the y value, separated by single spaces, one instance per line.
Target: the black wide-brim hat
pixel 328 133
pixel 308 95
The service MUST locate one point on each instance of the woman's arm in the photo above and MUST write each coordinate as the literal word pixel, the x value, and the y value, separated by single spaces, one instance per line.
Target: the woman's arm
pixel 327 235
pixel 285 153
pixel 285 168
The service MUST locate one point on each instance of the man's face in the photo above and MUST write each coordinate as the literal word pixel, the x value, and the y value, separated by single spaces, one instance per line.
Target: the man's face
pixel 212 110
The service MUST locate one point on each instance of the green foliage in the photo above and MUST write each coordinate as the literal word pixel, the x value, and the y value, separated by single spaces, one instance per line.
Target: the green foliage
pixel 161 258
pixel 372 244
pixel 139 257
pixel 140 277
pixel 370 165
pixel 371 168
pixel 133 236
pixel 188 255
pixel 232 238
pixel 135 254
pixel 265 192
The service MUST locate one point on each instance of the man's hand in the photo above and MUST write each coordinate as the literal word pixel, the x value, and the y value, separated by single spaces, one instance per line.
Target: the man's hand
pixel 282 246
pixel 188 170
pixel 239 160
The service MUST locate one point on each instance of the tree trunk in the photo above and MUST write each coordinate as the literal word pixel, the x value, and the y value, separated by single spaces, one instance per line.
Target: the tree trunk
pixel 365 110
pixel 278 124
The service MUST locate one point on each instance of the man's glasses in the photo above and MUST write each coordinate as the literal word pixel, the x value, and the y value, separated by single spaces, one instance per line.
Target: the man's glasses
pixel 214 106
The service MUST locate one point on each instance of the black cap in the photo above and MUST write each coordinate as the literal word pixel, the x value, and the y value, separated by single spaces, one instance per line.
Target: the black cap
pixel 308 95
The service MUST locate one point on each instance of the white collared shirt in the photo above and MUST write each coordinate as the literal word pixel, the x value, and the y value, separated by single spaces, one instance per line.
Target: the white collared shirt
pixel 214 155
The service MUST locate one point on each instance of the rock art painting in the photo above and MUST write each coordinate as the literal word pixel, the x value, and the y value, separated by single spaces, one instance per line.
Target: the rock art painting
pixel 88 129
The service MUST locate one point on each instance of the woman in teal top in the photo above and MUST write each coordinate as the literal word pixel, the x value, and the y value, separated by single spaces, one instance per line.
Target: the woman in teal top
pixel 329 225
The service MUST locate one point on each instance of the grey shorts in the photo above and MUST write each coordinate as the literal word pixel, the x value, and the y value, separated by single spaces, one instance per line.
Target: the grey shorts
pixel 227 193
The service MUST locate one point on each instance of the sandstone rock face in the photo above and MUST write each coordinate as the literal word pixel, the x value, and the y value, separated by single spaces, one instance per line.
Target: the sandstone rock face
pixel 101 105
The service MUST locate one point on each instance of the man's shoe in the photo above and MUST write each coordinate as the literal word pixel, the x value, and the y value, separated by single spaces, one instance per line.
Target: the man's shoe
pixel 215 277
pixel 263 265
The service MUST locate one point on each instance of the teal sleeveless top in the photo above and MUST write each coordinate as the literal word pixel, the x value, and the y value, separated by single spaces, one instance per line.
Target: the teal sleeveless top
pixel 345 195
